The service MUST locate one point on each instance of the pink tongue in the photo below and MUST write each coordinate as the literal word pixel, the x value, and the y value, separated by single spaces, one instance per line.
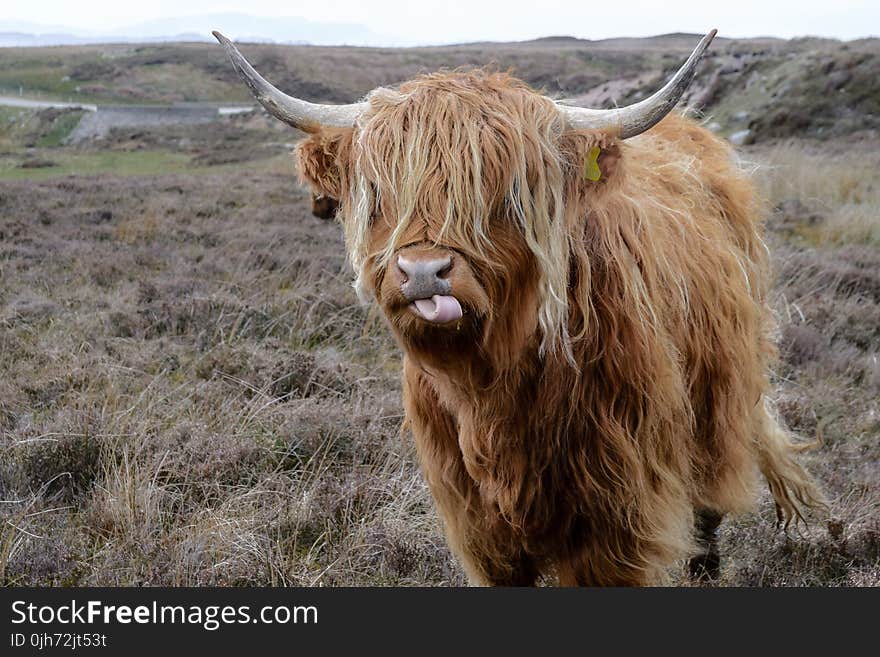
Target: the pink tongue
pixel 439 308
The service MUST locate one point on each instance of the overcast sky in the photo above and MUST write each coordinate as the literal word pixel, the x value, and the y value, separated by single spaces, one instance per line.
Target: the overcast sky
pixel 500 20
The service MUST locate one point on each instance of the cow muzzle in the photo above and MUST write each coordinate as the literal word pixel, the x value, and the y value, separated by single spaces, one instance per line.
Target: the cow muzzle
pixel 426 282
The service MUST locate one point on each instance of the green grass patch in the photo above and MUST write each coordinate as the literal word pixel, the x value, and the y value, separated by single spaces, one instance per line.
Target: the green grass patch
pixel 121 163
pixel 47 81
pixel 61 127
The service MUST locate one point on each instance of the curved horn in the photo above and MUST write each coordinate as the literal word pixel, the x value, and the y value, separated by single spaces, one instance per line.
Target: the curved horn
pixel 634 119
pixel 308 117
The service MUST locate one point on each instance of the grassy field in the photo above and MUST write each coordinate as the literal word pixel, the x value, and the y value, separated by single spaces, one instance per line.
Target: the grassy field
pixel 191 393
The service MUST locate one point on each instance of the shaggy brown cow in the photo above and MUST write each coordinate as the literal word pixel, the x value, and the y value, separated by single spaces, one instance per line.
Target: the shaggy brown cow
pixel 581 299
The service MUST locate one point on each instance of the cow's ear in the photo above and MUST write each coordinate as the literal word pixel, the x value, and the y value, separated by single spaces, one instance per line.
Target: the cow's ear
pixel 322 160
pixel 595 157
pixel 324 207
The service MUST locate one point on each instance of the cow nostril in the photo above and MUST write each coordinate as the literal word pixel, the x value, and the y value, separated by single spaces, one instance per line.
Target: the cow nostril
pixel 445 271
pixel 438 268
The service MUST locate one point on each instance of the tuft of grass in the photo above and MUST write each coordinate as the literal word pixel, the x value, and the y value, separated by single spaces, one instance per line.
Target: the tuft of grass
pixel 854 223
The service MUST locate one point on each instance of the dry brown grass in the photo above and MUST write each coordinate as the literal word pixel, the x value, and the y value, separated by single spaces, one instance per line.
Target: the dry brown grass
pixel 192 395
pixel 836 183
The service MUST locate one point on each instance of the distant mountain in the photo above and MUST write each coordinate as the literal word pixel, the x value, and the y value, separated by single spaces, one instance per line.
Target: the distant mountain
pixel 25 40
pixel 278 29
pixel 242 27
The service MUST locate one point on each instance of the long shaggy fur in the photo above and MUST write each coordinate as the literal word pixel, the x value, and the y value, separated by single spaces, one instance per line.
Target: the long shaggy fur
pixel 612 372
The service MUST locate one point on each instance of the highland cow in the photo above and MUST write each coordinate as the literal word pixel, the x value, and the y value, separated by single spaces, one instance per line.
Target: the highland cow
pixel 581 299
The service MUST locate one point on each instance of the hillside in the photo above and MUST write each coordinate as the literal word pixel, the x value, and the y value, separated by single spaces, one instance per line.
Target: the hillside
pixel 773 88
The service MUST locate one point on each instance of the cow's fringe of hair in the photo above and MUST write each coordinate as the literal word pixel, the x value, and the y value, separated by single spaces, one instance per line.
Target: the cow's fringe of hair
pixel 418 162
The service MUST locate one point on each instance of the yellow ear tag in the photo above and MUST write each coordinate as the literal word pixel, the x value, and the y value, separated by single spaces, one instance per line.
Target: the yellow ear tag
pixel 591 170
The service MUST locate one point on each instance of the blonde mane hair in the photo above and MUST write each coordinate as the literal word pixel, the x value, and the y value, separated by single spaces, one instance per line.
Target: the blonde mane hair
pixel 442 146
